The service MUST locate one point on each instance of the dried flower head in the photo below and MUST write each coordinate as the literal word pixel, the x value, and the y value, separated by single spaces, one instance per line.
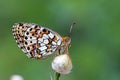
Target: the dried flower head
pixel 62 64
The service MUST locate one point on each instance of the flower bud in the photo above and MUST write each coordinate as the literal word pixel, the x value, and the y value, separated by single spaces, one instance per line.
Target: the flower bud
pixel 62 64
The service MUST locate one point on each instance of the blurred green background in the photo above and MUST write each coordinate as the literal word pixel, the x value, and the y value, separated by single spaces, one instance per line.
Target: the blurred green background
pixel 95 49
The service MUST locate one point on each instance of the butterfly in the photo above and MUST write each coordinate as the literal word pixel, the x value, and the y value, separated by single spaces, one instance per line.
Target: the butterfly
pixel 39 42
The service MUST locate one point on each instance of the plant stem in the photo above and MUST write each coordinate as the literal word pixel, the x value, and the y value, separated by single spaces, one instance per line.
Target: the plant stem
pixel 57 76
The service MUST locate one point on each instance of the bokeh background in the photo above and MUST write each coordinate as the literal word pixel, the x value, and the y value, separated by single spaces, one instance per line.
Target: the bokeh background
pixel 95 50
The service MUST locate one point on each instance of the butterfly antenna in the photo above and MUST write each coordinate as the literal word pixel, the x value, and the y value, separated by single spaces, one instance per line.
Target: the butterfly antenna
pixel 73 24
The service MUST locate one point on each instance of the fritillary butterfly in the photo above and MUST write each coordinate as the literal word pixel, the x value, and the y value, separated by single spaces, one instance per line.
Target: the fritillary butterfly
pixel 39 42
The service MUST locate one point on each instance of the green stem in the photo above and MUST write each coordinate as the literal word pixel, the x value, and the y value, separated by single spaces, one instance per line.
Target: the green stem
pixel 57 76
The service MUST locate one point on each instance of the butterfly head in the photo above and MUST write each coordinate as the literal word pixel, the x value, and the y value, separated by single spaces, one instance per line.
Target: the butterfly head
pixel 66 40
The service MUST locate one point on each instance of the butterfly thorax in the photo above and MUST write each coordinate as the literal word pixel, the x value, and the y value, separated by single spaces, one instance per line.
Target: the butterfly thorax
pixel 65 44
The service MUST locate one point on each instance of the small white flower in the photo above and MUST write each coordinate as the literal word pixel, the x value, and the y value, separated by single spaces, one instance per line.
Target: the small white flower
pixel 62 64
pixel 16 77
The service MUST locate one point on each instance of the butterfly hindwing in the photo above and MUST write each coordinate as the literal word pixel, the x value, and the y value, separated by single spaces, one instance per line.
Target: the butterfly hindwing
pixel 36 41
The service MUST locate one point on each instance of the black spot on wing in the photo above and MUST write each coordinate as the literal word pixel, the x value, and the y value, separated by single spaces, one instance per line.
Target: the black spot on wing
pixel 20 24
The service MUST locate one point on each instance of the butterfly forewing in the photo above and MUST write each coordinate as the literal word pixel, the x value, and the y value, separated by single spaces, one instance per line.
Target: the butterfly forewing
pixel 36 41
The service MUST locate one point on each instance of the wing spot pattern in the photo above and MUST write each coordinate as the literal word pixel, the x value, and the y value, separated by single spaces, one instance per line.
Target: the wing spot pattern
pixel 36 41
